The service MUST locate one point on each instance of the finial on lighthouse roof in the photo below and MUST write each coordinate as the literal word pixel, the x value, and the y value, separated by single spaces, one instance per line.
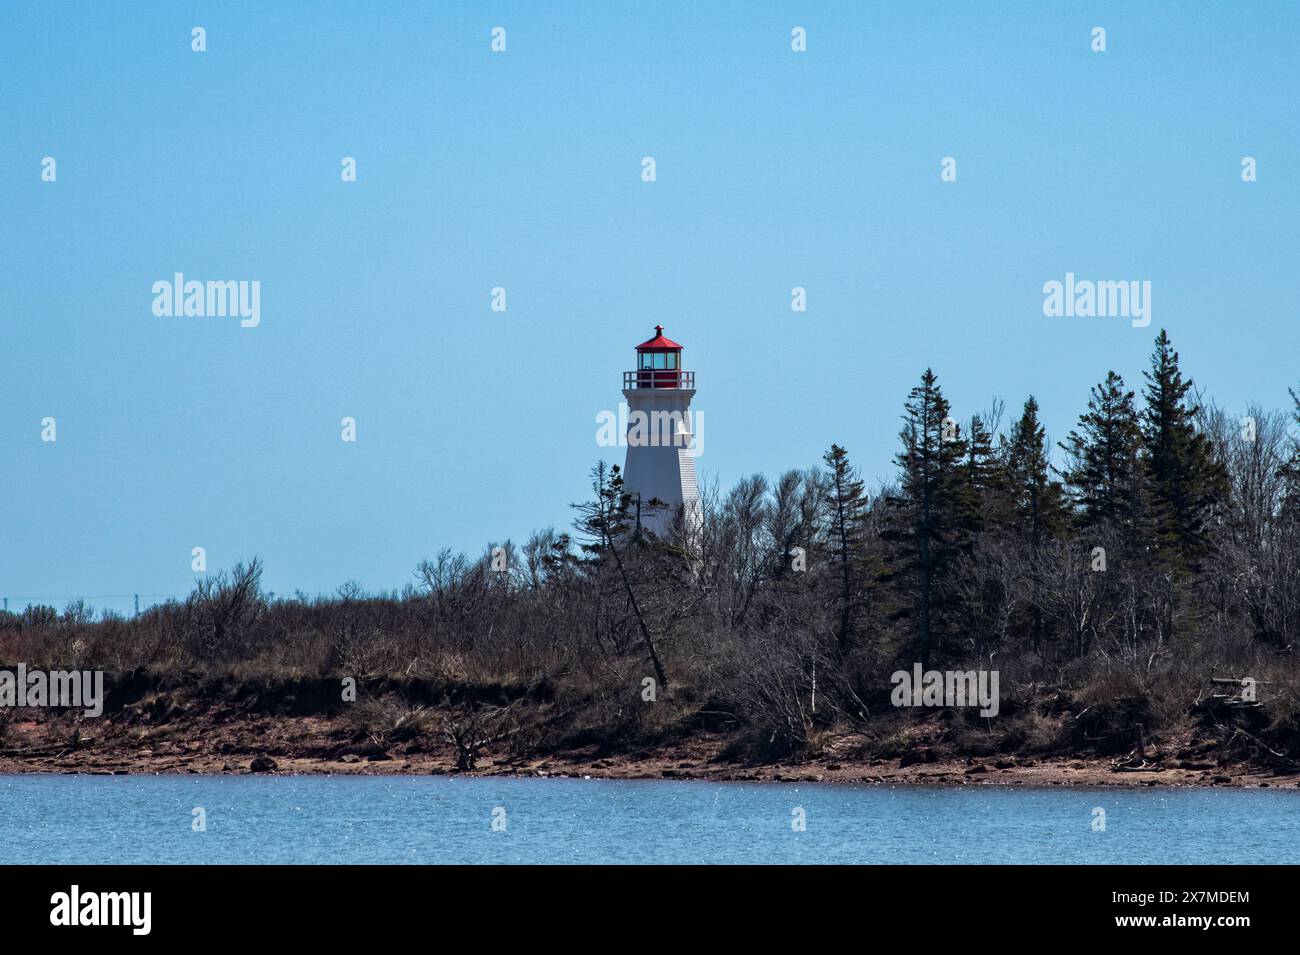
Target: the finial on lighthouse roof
pixel 659 342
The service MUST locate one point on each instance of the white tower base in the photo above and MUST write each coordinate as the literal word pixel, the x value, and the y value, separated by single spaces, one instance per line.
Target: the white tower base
pixel 660 464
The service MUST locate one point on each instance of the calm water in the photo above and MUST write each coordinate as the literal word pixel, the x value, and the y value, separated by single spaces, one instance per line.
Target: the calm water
pixel 95 819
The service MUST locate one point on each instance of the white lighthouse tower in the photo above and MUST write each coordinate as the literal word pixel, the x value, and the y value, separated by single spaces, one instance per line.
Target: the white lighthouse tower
pixel 660 466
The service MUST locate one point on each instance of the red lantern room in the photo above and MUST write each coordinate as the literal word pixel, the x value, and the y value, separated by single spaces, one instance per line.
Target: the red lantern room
pixel 659 365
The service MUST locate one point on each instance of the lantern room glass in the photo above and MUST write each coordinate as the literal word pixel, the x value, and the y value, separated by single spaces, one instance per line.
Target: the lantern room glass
pixel 661 361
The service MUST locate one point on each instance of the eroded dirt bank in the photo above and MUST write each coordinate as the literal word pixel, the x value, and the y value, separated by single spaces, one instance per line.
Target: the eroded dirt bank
pixel 190 724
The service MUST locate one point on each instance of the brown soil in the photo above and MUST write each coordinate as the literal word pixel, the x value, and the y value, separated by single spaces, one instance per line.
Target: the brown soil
pixel 182 723
pixel 309 744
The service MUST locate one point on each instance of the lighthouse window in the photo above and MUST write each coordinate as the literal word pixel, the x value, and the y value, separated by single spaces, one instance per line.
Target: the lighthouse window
pixel 659 359
pixel 672 359
pixel 646 360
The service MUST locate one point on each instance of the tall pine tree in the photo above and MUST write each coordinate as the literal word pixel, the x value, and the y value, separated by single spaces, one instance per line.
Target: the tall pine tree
pixel 1291 472
pixel 1104 474
pixel 927 516
pixel 1037 502
pixel 979 474
pixel 1182 475
pixel 846 504
pixel 1037 509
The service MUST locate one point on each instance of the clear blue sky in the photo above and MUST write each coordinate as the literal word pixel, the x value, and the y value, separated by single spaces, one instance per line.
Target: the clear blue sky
pixel 522 170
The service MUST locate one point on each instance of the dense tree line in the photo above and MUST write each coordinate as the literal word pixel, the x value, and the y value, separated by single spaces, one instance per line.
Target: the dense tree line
pixel 1155 544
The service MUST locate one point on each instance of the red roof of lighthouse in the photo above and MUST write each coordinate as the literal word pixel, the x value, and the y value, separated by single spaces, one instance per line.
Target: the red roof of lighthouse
pixel 658 341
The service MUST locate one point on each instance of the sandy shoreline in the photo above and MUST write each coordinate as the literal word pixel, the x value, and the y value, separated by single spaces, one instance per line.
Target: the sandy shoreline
pixel 1045 773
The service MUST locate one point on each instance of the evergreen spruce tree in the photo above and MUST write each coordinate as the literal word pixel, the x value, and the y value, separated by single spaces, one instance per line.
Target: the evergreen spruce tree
pixel 927 517
pixel 1291 473
pixel 1287 539
pixel 1183 478
pixel 1037 502
pixel 846 504
pixel 1037 509
pixel 607 524
pixel 978 473
pixel 1104 475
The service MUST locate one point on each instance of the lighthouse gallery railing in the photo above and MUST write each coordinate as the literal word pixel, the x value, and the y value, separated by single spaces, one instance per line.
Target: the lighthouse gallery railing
pixel 656 378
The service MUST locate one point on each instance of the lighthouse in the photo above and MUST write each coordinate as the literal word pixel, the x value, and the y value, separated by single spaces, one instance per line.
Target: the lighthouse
pixel 660 468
